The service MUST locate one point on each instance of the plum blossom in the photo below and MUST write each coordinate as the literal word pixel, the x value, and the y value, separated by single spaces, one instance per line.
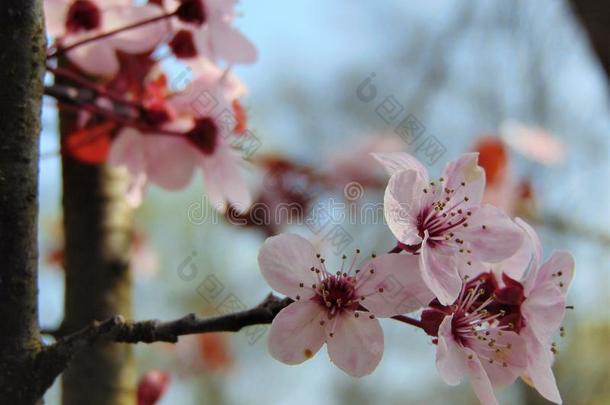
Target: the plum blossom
pixel 193 137
pixel 538 303
pixel 73 21
pixel 518 297
pixel 443 220
pixel 473 341
pixel 535 143
pixel 204 30
pixel 338 309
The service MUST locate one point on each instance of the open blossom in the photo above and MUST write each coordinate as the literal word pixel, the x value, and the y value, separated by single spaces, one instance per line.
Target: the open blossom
pixel 73 21
pixel 204 29
pixel 338 309
pixel 198 139
pixel 443 220
pixel 516 298
pixel 472 341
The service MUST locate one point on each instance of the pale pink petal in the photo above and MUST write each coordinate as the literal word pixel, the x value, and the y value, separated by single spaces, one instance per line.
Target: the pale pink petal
pixel 402 203
pixel 478 378
pixel 558 269
pixel 491 235
pixel 440 273
pixel 126 150
pixel 544 310
pixel 170 160
pixel 223 181
pixel 394 162
pixel 508 364
pixel 138 40
pixel 539 371
pixel 402 287
pixel 526 257
pixel 285 261
pixel 449 358
pixel 356 346
pixel 296 333
pixel 97 58
pixel 136 189
pixel 534 143
pixel 230 44
pixel 466 178
pixel 55 16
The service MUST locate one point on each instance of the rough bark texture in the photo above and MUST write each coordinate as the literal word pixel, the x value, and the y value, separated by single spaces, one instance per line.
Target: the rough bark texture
pixel 98 232
pixel 22 47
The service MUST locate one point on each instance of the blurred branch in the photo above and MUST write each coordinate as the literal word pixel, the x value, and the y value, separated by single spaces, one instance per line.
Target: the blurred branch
pixel 595 17
pixel 565 225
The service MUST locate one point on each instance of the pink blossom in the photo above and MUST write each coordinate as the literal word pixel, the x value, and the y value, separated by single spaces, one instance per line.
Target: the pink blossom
pixel 72 21
pixel 198 139
pixel 443 220
pixel 338 309
pixel 542 293
pixel 204 29
pixel 473 341
pixel 535 143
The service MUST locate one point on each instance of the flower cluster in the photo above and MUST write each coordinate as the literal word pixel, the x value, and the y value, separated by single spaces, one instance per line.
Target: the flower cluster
pixel 106 59
pixel 490 305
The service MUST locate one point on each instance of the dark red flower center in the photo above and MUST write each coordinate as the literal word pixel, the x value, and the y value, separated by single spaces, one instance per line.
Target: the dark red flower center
pixel 191 11
pixel 204 135
pixel 83 15
pixel 183 45
pixel 337 293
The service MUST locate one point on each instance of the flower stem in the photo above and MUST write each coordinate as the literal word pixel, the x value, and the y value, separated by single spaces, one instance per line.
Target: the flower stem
pixel 60 51
pixel 408 320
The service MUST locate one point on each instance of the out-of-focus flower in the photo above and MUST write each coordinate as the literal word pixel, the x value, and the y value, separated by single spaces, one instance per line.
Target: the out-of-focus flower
pixel 443 220
pixel 338 309
pixel 73 21
pixel 215 352
pixel 535 143
pixel 198 138
pixel 152 386
pixel 357 164
pixel 204 30
pixel 144 259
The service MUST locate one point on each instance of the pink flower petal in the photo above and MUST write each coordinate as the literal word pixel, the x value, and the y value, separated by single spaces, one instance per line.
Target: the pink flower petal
pixel 97 58
pixel 526 257
pixel 285 261
pixel 230 44
pixel 515 358
pixel 478 379
pixel 138 40
pixel 402 202
pixel 440 273
pixel 544 310
pixel 356 346
pixel 171 161
pixel 449 359
pixel 394 162
pixel 465 170
pixel 561 263
pixel 539 369
pixel 491 235
pixel 534 143
pixel 223 181
pixel 296 333
pixel 399 277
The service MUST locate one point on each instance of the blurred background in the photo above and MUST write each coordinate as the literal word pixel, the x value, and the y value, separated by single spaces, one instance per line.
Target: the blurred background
pixel 517 81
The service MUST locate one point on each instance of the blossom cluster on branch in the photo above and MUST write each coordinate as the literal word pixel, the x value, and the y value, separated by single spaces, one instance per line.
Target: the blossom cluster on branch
pixel 106 59
pixel 486 298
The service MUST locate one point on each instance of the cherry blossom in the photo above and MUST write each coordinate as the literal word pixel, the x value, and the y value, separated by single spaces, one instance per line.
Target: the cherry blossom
pixel 204 30
pixel 73 21
pixel 338 309
pixel 535 143
pixel 472 341
pixel 193 137
pixel 443 220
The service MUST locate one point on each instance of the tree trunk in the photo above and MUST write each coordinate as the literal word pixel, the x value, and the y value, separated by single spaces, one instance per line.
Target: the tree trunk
pixel 98 232
pixel 22 56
